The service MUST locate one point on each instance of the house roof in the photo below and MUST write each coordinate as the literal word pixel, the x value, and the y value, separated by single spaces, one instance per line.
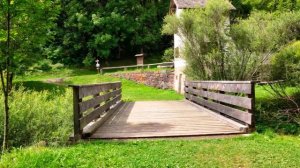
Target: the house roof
pixel 182 4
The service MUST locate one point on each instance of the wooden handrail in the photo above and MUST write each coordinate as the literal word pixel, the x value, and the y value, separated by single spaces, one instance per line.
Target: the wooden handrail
pixel 233 99
pixel 137 66
pixel 91 103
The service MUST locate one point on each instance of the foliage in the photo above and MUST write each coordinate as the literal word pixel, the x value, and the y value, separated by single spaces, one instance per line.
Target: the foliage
pixel 265 150
pixel 271 5
pixel 46 65
pixel 24 29
pixel 231 53
pixel 262 35
pixel 277 108
pixel 205 33
pixel 103 29
pixel 244 7
pixel 168 55
pixel 30 30
pixel 39 116
pixel 43 65
pixel 286 64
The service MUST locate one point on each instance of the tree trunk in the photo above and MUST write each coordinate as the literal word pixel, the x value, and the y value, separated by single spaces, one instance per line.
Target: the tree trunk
pixel 6 87
pixel 119 52
pixel 10 82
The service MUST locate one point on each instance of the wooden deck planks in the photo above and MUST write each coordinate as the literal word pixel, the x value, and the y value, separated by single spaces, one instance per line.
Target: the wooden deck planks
pixel 154 119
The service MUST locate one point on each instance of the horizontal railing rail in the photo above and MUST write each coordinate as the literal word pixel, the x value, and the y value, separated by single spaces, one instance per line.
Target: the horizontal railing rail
pixel 233 99
pixel 167 64
pixel 92 105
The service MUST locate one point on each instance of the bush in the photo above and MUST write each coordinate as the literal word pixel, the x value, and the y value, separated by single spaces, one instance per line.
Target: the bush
pixel 38 116
pixel 286 64
pixel 276 114
pixel 168 55
pixel 43 65
pixel 57 66
pixel 215 50
pixel 88 61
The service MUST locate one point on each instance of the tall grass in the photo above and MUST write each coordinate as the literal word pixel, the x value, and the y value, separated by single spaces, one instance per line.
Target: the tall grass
pixel 38 116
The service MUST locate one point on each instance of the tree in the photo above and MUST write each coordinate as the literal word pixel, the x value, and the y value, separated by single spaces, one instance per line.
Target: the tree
pixel 205 32
pixel 271 5
pixel 104 29
pixel 25 28
pixel 262 35
pixel 214 50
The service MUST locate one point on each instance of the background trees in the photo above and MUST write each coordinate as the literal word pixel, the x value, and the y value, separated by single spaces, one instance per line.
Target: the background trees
pixel 107 29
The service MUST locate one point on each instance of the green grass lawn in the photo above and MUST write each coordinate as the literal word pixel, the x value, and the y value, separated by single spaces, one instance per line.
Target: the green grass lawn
pixel 271 146
pixel 254 151
pixel 131 91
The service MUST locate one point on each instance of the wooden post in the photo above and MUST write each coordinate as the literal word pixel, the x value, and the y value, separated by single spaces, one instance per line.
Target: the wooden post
pixel 77 114
pixel 252 111
pixel 186 86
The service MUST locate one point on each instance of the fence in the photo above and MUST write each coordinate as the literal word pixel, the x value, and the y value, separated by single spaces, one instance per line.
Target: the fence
pixel 125 68
pixel 92 105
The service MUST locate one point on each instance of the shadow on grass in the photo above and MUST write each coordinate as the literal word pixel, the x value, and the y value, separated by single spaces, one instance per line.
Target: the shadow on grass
pixel 42 86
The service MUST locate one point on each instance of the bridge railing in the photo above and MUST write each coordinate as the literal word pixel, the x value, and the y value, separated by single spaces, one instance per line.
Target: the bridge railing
pixel 92 105
pixel 233 99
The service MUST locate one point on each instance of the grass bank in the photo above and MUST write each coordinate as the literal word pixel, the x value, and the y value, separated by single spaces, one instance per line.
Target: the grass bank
pixel 266 150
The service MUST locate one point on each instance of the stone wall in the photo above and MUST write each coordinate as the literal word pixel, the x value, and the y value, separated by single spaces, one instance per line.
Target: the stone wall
pixel 163 79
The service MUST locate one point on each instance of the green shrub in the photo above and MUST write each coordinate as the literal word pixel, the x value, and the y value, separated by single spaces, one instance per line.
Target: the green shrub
pixel 286 64
pixel 44 65
pixel 38 116
pixel 57 66
pixel 168 55
pixel 275 112
pixel 88 61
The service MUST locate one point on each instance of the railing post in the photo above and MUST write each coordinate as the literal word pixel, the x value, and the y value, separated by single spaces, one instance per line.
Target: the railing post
pixel 76 114
pixel 252 111
pixel 186 92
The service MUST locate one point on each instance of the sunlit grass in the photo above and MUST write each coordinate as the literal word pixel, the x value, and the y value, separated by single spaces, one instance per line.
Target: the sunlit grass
pixel 131 91
pixel 253 151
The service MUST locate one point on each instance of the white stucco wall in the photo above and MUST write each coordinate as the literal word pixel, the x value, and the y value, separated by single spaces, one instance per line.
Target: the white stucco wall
pixel 178 42
pixel 179 62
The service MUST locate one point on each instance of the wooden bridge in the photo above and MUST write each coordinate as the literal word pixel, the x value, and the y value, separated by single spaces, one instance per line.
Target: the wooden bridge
pixel 211 108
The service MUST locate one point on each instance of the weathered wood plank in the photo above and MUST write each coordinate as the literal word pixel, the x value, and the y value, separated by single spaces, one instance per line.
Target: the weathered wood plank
pixel 244 102
pixel 76 115
pixel 97 112
pixel 158 134
pixel 154 119
pixel 235 113
pixel 88 131
pixel 98 100
pixel 89 90
pixel 226 87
